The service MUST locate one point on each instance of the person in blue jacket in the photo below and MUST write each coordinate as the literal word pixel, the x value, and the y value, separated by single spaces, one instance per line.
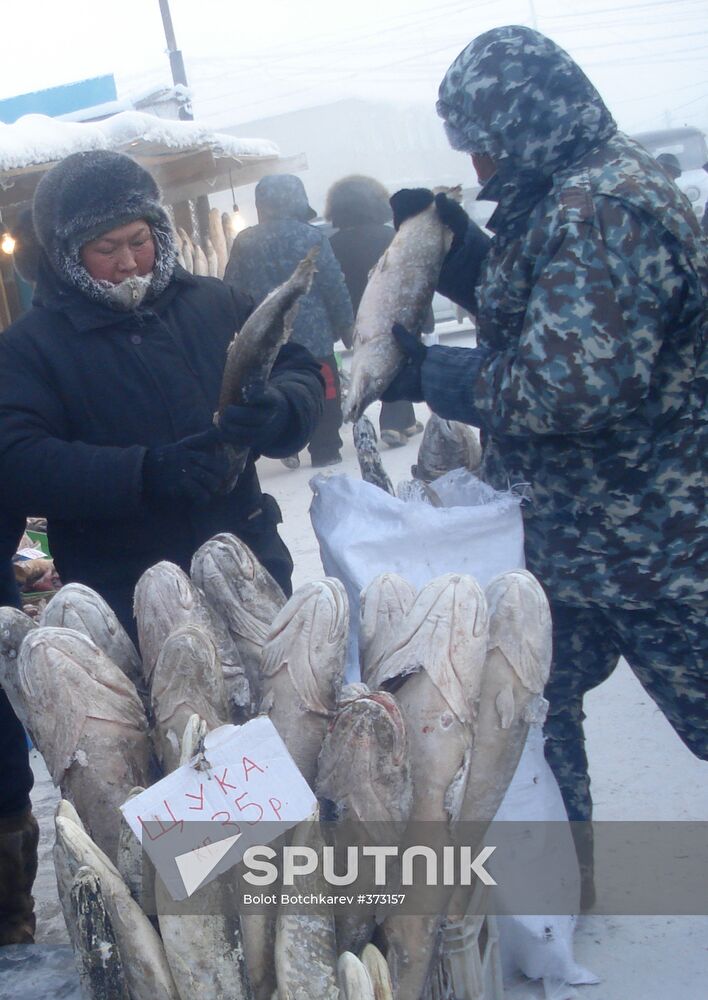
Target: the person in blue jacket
pixel 108 386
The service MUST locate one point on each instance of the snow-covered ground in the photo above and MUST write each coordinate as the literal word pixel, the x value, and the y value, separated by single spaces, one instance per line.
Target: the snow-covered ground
pixel 640 770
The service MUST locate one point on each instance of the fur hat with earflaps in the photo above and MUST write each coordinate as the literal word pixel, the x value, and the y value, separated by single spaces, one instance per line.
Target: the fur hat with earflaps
pixel 355 200
pixel 88 194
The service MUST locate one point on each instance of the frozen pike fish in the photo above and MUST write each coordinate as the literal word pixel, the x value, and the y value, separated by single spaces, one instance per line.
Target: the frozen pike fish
pixel 516 670
pixel 252 352
pixel 99 961
pixel 446 445
pixel 377 967
pixel 147 973
pixel 204 950
pixel 302 668
pixel 242 594
pixel 399 290
pixel 135 867
pixel 15 626
pixel 187 679
pixel 354 979
pixel 165 598
pixel 218 241
pixel 384 603
pixel 369 456
pixel 437 658
pixel 89 725
pixel 305 943
pixel 364 770
pixel 78 607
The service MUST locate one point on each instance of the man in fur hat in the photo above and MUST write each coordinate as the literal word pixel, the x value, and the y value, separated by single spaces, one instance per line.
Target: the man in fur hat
pixel 109 383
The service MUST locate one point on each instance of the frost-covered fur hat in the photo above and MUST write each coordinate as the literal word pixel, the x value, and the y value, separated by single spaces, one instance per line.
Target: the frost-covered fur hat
pixel 282 196
pixel 355 200
pixel 88 194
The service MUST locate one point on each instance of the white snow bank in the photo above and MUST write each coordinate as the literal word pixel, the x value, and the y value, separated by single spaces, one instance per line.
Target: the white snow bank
pixel 36 139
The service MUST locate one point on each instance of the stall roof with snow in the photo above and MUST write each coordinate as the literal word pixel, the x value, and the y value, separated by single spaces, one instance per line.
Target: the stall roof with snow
pixel 186 159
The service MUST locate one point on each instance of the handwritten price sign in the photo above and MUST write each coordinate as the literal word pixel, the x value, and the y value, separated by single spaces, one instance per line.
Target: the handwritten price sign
pixel 246 789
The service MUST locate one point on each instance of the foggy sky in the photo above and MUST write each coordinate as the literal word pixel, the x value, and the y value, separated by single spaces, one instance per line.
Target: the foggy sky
pixel 247 61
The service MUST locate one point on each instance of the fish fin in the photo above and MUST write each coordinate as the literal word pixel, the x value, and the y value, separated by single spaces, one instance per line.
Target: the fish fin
pixel 505 706
pixel 455 792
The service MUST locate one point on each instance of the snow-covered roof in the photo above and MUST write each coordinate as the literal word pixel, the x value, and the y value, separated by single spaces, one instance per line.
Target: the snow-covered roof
pixel 38 139
pixel 186 158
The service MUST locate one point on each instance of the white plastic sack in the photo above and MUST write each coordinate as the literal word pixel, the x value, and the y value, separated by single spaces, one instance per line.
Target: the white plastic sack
pixel 363 531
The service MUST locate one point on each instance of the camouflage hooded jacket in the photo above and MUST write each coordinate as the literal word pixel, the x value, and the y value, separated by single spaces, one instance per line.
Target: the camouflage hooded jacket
pixel 589 379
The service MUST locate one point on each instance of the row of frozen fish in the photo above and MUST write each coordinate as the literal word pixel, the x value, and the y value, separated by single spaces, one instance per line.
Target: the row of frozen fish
pixel 452 676
pixel 211 258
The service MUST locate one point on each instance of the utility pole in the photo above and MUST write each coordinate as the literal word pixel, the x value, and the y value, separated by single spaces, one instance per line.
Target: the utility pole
pixel 183 215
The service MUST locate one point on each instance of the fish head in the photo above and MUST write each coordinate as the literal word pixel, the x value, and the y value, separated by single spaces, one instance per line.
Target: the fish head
pixel 520 625
pixel 15 625
pixel 79 607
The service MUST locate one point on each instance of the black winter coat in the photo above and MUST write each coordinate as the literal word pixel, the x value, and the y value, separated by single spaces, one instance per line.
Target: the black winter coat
pixel 85 390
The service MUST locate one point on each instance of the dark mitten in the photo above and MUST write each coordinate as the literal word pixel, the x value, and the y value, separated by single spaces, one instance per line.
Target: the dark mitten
pixel 191 470
pixel 409 202
pixel 453 215
pixel 258 424
pixel 408 383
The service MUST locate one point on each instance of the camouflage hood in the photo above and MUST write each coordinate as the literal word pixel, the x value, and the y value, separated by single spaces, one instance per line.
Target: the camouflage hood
pixel 514 94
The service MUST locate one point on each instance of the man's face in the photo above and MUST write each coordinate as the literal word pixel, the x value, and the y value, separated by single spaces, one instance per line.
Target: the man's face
pixel 120 253
pixel 484 165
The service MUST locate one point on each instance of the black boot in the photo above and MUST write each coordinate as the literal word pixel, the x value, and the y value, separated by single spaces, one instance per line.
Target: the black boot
pixel 19 836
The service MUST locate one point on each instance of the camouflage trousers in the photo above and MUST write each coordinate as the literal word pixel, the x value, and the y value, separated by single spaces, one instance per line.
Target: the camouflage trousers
pixel 666 647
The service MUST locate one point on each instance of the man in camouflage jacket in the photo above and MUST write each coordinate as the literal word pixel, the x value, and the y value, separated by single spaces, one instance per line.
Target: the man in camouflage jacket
pixel 588 381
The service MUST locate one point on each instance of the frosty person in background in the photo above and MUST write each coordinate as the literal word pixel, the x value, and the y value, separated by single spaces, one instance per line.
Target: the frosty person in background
pixel 108 387
pixel 588 380
pixel 264 256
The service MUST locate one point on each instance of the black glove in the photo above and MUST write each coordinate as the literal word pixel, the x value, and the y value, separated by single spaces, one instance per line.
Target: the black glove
pixel 191 470
pixel 408 383
pixel 409 202
pixel 257 425
pixel 452 215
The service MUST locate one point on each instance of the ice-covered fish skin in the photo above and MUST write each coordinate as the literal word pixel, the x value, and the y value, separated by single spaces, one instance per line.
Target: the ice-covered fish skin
pixel 201 264
pixel 89 725
pixel 383 605
pixel 166 598
pixel 230 232
pixel 194 733
pixel 302 668
pixel 15 626
pixel 187 680
pixel 145 965
pixel 416 491
pixel 98 958
pixel 204 950
pixel 364 766
pixel 135 867
pixel 516 670
pixel 369 456
pixel 399 290
pixel 82 609
pixel 364 770
pixel 377 967
pixel 64 870
pixel 187 250
pixel 437 658
pixel 446 445
pixel 242 593
pixel 218 241
pixel 252 352
pixel 212 260
pixel 305 944
pixel 354 979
